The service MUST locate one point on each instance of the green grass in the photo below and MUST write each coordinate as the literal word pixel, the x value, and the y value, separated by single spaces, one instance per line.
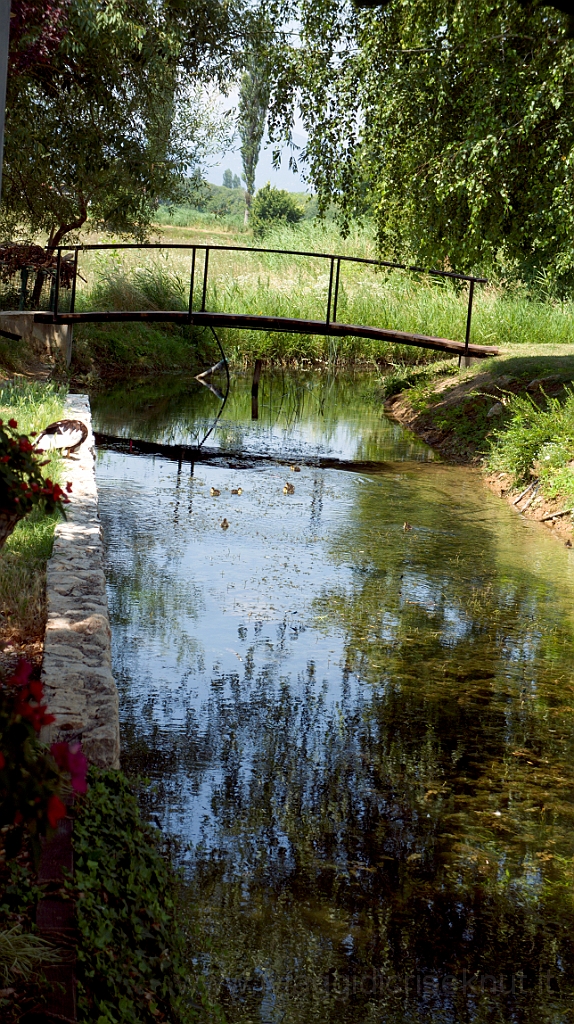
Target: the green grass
pixel 21 953
pixel 23 558
pixel 218 206
pixel 102 350
pixel 538 441
pixel 534 434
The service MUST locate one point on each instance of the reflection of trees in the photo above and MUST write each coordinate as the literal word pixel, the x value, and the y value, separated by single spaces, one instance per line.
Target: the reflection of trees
pixel 420 825
pixel 356 831
pixel 423 827
pixel 179 412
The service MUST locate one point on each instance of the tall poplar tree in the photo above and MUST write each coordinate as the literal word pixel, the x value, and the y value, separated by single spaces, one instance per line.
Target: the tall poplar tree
pixel 253 103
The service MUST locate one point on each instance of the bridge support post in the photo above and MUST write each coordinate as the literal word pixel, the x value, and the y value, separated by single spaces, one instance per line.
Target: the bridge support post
pixel 466 361
pixel 255 390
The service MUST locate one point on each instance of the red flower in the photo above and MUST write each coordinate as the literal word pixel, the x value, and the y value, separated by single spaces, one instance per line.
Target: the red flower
pixel 56 810
pixel 18 818
pixel 2 760
pixel 22 673
pixel 36 715
pixel 13 423
pixel 36 690
pixel 59 752
pixel 68 487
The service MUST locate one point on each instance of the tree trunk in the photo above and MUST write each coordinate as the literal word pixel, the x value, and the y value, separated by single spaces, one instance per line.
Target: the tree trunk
pixel 56 236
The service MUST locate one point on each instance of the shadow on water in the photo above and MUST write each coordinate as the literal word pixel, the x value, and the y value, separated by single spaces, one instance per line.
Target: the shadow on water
pixel 361 733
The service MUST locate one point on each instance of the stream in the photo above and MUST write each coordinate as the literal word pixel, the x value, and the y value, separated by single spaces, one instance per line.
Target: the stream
pixel 355 702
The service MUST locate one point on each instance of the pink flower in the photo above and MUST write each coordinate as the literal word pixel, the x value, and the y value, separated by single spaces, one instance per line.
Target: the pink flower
pixel 56 810
pixel 70 758
pixel 78 767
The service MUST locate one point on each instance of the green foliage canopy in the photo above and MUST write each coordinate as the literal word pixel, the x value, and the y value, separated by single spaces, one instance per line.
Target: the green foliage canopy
pixel 106 123
pixel 451 120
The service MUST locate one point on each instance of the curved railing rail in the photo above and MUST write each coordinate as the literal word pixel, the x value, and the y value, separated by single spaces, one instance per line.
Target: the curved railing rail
pixel 198 314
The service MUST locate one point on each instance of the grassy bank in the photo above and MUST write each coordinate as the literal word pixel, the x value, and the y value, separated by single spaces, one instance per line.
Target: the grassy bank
pixel 23 558
pixel 290 286
pixel 512 415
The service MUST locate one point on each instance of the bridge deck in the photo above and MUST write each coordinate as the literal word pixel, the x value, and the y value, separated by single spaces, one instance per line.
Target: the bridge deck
pixel 291 325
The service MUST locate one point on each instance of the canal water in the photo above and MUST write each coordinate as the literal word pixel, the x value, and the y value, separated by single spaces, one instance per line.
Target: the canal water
pixel 355 701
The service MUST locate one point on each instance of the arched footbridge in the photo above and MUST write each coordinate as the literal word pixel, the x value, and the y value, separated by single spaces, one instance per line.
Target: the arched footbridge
pixel 65 309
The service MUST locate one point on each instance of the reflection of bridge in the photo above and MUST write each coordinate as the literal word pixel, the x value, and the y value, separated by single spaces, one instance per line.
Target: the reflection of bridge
pixel 63 303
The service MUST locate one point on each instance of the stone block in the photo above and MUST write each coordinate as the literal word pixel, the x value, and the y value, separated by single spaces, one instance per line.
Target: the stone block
pixel 80 688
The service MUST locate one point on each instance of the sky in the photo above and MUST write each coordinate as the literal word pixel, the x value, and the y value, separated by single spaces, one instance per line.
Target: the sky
pixel 231 158
pixel 283 178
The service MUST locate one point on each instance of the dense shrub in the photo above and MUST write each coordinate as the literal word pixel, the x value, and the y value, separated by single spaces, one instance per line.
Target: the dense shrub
pixel 273 206
pixel 132 957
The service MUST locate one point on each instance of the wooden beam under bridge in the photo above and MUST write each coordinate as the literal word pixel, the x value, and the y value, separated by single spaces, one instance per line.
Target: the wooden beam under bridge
pixel 288 325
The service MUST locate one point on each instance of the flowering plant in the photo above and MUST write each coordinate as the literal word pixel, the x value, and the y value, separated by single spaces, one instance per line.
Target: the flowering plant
pixel 33 778
pixel 22 485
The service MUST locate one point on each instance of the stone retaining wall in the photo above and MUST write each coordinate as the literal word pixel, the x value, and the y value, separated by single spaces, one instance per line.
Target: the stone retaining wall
pixel 51 342
pixel 77 667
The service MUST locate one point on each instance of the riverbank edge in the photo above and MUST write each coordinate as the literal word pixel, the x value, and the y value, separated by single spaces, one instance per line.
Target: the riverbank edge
pixel 77 665
pixel 398 408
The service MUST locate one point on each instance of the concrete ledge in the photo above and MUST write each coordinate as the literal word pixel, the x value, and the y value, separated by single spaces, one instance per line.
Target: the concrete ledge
pixel 46 341
pixel 77 666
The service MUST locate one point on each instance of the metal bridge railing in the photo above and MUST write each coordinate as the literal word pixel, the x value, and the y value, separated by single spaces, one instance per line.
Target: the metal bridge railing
pixel 335 264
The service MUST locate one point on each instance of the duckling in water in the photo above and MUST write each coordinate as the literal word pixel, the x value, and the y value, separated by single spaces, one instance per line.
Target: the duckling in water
pixel 214 492
pixel 295 469
pixel 407 526
pixel 224 524
pixel 288 489
pixel 237 490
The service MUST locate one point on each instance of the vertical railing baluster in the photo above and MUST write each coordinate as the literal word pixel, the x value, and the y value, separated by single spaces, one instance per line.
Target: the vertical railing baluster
pixel 191 282
pixel 57 286
pixel 23 287
pixel 468 317
pixel 204 295
pixel 73 295
pixel 328 320
pixel 336 296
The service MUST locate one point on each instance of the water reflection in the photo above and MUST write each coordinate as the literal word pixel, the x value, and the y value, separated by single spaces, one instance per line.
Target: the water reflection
pixel 364 733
